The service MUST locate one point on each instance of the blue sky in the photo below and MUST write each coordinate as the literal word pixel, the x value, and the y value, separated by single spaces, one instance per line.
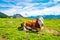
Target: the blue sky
pixel 30 7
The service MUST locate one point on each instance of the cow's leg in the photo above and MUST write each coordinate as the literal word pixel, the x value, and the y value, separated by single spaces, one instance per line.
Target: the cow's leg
pixel 33 30
pixel 36 29
pixel 24 27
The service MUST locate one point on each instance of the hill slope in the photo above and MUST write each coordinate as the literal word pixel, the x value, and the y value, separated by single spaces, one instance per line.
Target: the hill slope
pixel 2 15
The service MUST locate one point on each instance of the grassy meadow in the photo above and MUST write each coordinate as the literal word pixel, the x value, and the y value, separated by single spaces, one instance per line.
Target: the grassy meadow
pixel 9 30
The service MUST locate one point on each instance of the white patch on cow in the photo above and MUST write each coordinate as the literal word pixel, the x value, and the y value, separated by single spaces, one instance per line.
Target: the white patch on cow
pixel 29 27
pixel 25 29
pixel 33 30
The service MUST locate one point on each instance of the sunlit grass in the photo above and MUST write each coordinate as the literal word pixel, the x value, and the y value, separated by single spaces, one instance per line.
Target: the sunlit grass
pixel 9 28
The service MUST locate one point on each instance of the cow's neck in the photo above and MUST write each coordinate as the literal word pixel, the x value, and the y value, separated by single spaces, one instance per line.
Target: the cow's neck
pixel 36 20
pixel 37 24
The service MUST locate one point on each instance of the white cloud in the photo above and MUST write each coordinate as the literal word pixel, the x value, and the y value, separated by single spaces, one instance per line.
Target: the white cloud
pixel 17 0
pixel 31 9
pixel 28 0
pixel 56 0
pixel 48 11
pixel 7 5
pixel 9 12
pixel 12 11
pixel 55 10
pixel 52 10
pixel 7 0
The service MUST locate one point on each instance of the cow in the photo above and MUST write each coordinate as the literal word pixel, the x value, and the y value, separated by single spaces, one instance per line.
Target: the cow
pixel 33 25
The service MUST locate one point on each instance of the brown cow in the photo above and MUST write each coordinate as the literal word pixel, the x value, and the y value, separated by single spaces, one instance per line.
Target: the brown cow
pixel 33 25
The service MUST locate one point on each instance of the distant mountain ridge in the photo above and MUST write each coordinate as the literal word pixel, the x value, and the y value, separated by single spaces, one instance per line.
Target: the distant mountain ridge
pixel 46 16
pixel 51 16
pixel 17 16
pixel 2 15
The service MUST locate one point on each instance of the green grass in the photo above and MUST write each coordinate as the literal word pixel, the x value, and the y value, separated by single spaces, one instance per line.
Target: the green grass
pixel 9 28
pixel 52 23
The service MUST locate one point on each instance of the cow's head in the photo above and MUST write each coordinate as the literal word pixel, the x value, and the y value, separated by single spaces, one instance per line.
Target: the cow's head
pixel 40 22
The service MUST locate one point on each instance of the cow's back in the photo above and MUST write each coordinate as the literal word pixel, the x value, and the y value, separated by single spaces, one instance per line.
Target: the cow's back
pixel 29 23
